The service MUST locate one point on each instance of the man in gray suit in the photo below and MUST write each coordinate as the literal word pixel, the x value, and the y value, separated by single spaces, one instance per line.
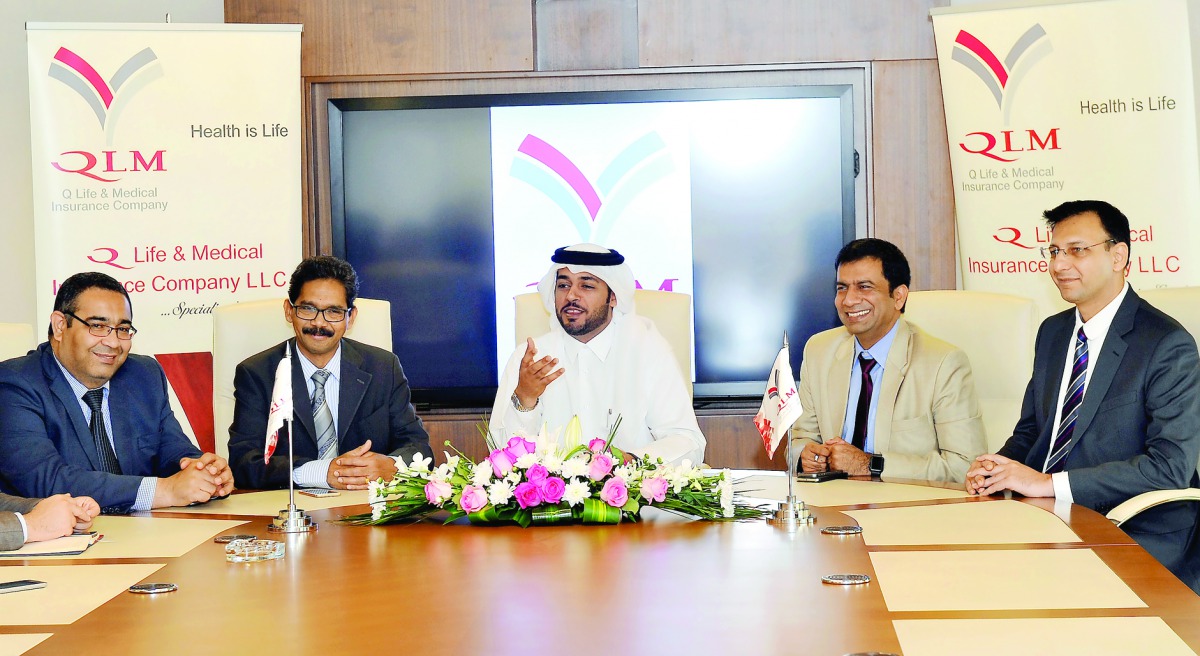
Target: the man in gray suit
pixel 33 520
pixel 1113 408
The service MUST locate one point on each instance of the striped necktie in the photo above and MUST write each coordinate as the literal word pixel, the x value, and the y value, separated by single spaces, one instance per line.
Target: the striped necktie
pixel 1071 403
pixel 108 457
pixel 323 417
pixel 858 438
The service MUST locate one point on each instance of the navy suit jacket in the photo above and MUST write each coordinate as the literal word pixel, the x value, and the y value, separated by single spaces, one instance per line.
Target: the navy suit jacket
pixel 47 447
pixel 374 403
pixel 1138 427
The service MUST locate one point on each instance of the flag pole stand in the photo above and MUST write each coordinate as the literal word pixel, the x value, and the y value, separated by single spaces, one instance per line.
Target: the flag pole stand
pixel 293 519
pixel 792 512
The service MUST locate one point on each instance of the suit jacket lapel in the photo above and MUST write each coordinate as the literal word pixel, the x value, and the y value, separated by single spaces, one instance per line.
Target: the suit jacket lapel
pixel 66 396
pixel 353 387
pixel 839 379
pixel 894 371
pixel 1106 366
pixel 1060 335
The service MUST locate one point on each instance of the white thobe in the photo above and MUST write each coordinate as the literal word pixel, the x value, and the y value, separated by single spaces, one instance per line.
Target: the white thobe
pixel 626 371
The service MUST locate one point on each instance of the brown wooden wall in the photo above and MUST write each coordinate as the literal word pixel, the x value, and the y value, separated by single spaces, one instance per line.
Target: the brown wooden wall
pixel 362 48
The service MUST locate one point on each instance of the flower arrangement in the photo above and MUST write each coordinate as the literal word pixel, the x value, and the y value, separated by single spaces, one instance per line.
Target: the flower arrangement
pixel 536 482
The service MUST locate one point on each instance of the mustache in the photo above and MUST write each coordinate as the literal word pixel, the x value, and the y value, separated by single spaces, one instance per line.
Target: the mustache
pixel 572 304
pixel 317 331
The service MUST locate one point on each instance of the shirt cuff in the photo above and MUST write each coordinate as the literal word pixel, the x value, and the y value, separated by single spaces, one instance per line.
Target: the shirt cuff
pixel 145 494
pixel 24 528
pixel 1062 487
pixel 314 473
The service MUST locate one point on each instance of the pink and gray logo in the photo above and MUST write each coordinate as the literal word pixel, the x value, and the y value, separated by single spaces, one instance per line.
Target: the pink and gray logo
pixel 1002 78
pixel 593 208
pixel 106 98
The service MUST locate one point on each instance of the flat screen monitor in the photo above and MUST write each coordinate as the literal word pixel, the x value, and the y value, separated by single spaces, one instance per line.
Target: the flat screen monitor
pixel 449 206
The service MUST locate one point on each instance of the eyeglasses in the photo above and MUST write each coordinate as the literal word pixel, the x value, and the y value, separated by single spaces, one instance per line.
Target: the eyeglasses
pixel 1072 252
pixel 125 333
pixel 308 312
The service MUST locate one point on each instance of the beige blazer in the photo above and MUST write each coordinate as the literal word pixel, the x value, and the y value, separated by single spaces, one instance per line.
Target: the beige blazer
pixel 927 426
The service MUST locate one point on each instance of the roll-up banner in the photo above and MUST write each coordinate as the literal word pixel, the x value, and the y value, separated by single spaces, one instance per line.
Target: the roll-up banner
pixel 168 156
pixel 1047 103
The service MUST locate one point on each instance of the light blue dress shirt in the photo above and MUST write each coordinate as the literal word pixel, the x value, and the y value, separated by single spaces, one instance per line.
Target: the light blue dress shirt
pixel 879 352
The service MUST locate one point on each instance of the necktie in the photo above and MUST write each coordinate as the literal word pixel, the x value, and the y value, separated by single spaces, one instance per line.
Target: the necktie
pixel 323 417
pixel 1071 403
pixel 861 414
pixel 108 457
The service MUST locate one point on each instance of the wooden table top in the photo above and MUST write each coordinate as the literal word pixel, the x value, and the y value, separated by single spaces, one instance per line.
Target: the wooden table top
pixel 663 586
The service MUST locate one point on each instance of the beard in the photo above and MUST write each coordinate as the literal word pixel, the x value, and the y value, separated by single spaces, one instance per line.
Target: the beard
pixel 591 320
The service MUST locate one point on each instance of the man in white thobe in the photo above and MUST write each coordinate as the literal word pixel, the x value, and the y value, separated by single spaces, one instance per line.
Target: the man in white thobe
pixel 600 361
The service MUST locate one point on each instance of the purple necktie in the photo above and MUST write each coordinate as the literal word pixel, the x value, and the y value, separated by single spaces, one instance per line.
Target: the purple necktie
pixel 859 439
pixel 1071 403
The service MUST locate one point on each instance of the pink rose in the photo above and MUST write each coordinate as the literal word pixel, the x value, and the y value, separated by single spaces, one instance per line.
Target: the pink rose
pixel 596 445
pixel 437 492
pixel 528 495
pixel 600 466
pixel 614 492
pixel 537 475
pixel 655 489
pixel 552 489
pixel 519 446
pixel 474 498
pixel 502 462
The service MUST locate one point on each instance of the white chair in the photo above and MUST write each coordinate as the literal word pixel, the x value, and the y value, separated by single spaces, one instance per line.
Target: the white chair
pixel 1183 304
pixel 16 339
pixel 242 329
pixel 997 332
pixel 671 313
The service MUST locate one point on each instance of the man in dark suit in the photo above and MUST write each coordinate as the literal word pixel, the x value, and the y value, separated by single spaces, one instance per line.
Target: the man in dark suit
pixel 34 520
pixel 1113 408
pixel 350 398
pixel 81 415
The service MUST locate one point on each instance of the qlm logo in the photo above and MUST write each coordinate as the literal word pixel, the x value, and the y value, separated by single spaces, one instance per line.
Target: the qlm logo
pixel 107 100
pixel 593 208
pixel 1003 79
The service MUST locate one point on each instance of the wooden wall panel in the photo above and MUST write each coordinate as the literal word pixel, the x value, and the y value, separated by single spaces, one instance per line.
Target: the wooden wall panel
pixel 698 32
pixel 913 201
pixel 582 35
pixel 374 37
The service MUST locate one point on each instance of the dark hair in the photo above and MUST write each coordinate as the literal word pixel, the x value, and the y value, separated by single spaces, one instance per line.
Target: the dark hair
pixel 1115 223
pixel 895 265
pixel 67 299
pixel 324 267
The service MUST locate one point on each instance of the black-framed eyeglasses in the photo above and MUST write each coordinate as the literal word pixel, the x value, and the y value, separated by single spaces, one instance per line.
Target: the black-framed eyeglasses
pixel 331 314
pixel 1072 252
pixel 104 330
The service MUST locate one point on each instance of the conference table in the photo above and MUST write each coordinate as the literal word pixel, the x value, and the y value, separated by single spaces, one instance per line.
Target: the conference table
pixel 665 585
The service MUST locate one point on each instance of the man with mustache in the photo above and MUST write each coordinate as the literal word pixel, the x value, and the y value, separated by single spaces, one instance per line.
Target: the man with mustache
pixel 81 415
pixel 614 363
pixel 880 396
pixel 352 401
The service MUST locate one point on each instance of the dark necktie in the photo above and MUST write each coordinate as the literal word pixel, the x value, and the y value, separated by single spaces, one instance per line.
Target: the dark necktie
pixel 859 440
pixel 1071 403
pixel 108 457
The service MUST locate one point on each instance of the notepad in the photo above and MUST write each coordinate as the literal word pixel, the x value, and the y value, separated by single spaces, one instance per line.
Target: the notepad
pixel 71 545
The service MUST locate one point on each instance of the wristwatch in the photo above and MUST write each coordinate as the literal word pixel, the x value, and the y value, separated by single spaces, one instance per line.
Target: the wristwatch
pixel 520 408
pixel 876 465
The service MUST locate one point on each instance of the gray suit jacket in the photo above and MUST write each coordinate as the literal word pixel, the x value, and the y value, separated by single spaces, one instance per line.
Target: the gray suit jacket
pixel 1138 427
pixel 11 536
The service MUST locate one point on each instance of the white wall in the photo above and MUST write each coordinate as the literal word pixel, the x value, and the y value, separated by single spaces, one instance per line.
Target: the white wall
pixel 16 204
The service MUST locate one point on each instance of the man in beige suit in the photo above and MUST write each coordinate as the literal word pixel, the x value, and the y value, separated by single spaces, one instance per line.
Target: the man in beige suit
pixel 33 520
pixel 880 396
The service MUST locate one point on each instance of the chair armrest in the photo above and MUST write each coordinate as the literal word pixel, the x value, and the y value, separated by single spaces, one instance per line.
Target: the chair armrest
pixel 1146 500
